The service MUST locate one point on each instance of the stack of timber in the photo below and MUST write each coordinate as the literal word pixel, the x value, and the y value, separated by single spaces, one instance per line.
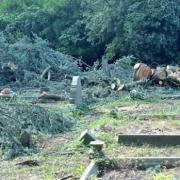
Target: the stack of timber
pixel 144 75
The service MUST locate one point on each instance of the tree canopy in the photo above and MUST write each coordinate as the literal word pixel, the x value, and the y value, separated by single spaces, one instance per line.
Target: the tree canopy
pixel 92 29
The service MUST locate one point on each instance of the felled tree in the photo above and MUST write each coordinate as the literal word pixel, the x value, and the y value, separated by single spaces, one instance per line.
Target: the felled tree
pixel 33 56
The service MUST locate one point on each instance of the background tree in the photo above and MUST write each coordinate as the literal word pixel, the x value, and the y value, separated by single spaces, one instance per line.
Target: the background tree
pixel 149 30
pixel 91 29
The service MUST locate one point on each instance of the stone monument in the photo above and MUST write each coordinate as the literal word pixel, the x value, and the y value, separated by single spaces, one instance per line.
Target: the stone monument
pixel 76 91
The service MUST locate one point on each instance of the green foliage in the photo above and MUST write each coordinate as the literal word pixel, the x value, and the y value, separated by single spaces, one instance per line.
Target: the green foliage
pixel 57 21
pixel 32 57
pixel 17 117
pixel 79 170
pixel 80 111
pixel 148 30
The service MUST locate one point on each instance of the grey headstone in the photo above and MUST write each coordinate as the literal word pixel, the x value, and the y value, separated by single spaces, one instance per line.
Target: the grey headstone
pixel 86 137
pixel 76 91
pixel 97 144
pixel 26 138
pixel 91 171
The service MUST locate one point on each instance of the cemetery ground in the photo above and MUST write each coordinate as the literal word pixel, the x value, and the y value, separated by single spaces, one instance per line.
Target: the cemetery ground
pixel 64 156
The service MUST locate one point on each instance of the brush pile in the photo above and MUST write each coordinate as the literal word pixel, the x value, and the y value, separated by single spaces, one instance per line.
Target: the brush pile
pixel 32 61
pixel 15 118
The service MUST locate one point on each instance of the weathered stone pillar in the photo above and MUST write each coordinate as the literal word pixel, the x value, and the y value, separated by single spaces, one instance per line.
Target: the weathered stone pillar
pixel 76 91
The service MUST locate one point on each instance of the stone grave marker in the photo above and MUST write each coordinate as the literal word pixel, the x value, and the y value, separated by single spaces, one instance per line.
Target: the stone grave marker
pixel 86 137
pixel 97 145
pixel 76 91
pixel 26 138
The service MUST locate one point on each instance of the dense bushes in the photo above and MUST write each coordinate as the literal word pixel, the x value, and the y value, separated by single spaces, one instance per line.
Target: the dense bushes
pixel 149 30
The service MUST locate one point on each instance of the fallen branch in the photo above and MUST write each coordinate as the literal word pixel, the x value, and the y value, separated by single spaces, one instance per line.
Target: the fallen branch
pixel 30 163
pixel 45 71
pixel 67 177
pixel 49 75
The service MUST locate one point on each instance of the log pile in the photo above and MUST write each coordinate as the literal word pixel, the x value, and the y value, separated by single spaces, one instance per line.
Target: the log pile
pixel 173 77
pixel 144 75
pixel 159 76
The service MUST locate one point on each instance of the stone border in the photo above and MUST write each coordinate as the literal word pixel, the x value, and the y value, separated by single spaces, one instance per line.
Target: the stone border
pixel 145 162
pixel 158 140
pixel 154 117
pixel 91 171
pixel 130 162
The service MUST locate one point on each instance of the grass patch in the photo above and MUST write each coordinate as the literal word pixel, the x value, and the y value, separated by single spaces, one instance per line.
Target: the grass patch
pixel 163 176
pixel 107 124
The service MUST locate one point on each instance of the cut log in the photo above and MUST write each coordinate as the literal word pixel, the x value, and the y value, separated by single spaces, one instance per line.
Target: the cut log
pixel 49 75
pixel 113 86
pixel 142 71
pixel 171 68
pixel 161 83
pixel 91 171
pixel 87 137
pixel 6 91
pixel 137 65
pixel 174 80
pixel 97 145
pixel 160 74
pixel 45 71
